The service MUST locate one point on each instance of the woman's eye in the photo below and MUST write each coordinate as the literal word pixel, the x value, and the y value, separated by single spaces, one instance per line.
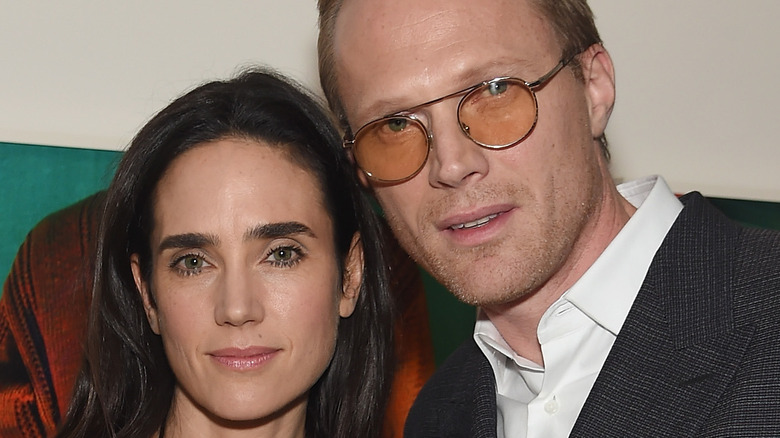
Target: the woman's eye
pixel 285 256
pixel 193 262
pixel 189 264
pixel 496 88
pixel 282 254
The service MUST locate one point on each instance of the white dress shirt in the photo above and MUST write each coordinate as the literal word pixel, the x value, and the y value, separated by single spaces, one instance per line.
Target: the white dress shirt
pixel 578 330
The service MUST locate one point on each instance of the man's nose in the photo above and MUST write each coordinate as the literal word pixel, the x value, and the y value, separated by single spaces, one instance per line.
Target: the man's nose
pixel 454 158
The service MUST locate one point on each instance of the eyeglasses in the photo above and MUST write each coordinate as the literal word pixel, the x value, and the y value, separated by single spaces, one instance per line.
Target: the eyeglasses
pixel 494 114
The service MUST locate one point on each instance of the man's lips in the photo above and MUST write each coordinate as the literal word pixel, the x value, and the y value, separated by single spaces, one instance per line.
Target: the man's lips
pixel 473 219
pixel 476 227
pixel 473 224
pixel 243 358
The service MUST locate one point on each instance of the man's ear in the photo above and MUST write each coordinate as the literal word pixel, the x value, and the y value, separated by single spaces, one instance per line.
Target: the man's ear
pixel 143 288
pixel 352 278
pixel 599 76
pixel 361 176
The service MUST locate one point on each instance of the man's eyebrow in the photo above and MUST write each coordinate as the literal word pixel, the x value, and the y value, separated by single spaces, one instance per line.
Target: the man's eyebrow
pixel 188 240
pixel 278 229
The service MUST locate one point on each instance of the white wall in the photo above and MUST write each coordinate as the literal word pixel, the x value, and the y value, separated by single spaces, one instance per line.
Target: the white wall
pixel 89 73
pixel 697 79
pixel 698 90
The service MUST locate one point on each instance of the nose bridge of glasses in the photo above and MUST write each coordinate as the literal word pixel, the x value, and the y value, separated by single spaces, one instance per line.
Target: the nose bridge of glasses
pixel 443 116
pixel 452 95
pixel 423 113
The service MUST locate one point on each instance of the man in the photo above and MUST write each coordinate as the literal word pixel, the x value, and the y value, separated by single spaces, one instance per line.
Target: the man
pixel 603 311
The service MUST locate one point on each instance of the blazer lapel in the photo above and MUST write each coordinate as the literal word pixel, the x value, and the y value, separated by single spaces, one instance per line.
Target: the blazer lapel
pixel 678 348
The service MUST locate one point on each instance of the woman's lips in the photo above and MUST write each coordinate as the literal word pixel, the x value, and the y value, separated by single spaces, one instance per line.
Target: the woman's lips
pixel 243 358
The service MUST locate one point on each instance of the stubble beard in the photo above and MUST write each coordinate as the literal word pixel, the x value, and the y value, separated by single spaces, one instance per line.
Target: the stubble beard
pixel 502 272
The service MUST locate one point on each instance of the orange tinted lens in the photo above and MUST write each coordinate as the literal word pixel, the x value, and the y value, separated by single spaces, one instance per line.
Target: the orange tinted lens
pixel 499 114
pixel 391 149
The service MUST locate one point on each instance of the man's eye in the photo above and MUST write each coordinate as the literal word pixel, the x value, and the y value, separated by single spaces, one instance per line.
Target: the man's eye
pixel 397 125
pixel 496 88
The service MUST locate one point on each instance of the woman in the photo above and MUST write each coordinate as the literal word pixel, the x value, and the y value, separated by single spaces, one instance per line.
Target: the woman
pixel 239 288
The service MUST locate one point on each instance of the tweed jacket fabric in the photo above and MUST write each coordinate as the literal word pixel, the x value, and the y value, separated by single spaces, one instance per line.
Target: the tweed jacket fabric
pixel 43 320
pixel 698 355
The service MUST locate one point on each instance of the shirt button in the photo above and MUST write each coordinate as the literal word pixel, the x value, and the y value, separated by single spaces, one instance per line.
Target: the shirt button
pixel 551 407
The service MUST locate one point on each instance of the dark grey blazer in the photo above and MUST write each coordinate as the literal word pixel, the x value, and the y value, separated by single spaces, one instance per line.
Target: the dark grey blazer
pixel 698 355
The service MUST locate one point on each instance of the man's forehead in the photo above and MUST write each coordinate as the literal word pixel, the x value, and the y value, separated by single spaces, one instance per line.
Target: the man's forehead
pixel 400 58
pixel 381 14
pixel 391 101
pixel 367 31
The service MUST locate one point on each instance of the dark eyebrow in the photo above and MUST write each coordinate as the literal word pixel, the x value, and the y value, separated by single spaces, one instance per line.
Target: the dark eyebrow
pixel 188 240
pixel 278 229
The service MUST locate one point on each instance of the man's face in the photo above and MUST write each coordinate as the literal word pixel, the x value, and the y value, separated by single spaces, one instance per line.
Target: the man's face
pixel 491 225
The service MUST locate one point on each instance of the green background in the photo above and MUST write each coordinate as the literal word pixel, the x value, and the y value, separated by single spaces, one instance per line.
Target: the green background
pixel 37 180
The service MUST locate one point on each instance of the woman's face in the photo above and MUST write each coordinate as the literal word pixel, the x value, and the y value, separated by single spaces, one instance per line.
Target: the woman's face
pixel 245 289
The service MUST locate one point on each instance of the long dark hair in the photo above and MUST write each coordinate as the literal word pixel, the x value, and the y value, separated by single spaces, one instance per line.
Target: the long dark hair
pixel 125 387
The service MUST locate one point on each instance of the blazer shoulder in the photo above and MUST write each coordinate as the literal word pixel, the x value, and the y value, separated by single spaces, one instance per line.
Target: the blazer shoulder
pixel 463 373
pixel 458 400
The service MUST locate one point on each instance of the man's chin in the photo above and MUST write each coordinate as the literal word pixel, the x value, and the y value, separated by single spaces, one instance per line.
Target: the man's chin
pixel 483 292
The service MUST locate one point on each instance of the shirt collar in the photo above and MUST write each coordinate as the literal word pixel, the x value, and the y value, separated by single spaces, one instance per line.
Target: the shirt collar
pixel 608 288
pixel 606 292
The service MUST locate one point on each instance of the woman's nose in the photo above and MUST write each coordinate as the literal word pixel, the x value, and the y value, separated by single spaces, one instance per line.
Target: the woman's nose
pixel 238 300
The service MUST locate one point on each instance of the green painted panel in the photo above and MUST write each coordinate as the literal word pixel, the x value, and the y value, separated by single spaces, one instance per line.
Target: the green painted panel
pixel 37 180
pixel 750 213
pixel 451 321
